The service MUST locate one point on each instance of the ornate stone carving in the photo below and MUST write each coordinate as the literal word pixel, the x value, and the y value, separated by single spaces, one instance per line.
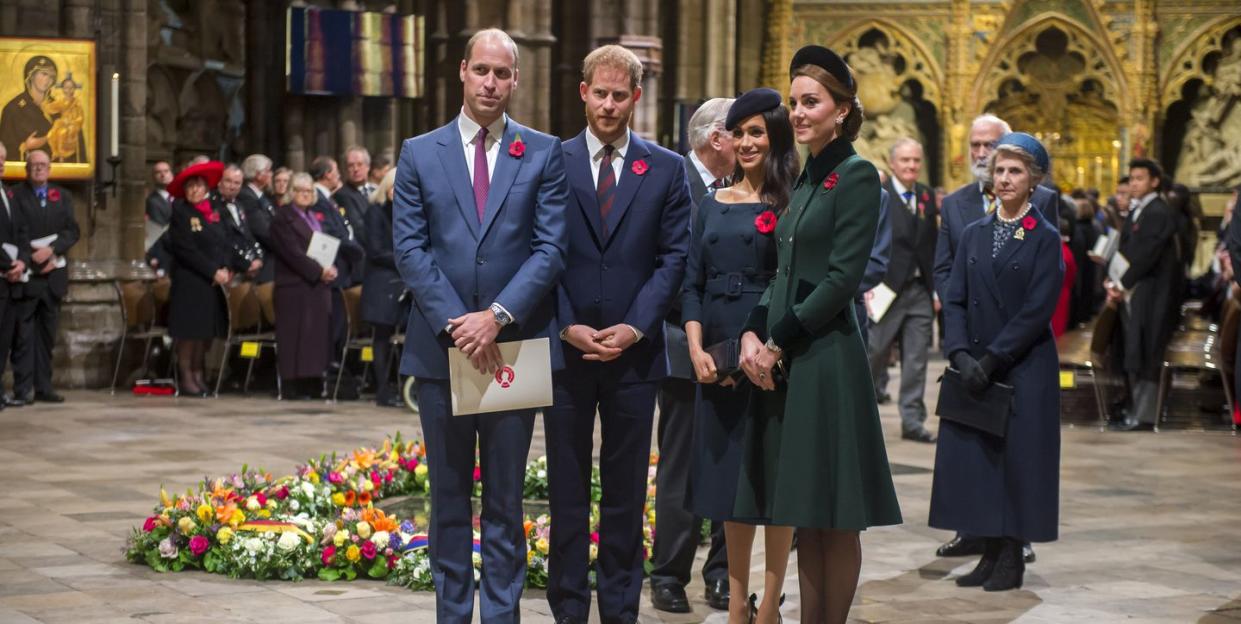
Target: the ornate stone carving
pixel 1211 152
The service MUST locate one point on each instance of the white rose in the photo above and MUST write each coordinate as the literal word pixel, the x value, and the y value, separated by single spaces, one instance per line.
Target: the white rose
pixel 288 541
pixel 253 544
pixel 294 505
pixel 308 489
pixel 252 504
pixel 380 539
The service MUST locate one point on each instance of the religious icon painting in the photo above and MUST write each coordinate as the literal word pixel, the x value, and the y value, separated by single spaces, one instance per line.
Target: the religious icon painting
pixel 48 91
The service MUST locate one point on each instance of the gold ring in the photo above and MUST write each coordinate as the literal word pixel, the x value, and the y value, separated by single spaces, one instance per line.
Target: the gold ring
pixel 762 375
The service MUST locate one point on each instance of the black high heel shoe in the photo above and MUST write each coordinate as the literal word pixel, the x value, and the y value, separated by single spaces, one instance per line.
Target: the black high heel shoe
pixel 753 608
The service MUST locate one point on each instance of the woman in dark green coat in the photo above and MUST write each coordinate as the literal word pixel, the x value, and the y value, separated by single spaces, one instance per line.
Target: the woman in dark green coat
pixel 814 456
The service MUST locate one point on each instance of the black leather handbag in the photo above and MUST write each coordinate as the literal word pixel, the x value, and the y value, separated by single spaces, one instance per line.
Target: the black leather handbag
pixel 727 357
pixel 985 411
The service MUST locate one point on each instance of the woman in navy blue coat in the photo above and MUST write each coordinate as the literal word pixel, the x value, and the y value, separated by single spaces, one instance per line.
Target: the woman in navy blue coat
pixel 731 260
pixel 382 306
pixel 997 317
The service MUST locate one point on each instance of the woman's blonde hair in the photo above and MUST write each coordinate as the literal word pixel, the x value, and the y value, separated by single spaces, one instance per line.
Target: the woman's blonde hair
pixel 380 195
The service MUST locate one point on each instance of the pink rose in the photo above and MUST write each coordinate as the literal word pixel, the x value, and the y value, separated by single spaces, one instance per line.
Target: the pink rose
pixel 327 554
pixel 282 493
pixel 262 499
pixel 199 545
pixel 150 524
pixel 368 550
pixel 335 478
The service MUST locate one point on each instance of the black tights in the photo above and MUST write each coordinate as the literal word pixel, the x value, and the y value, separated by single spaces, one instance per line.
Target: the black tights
pixel 828 564
pixel 191 365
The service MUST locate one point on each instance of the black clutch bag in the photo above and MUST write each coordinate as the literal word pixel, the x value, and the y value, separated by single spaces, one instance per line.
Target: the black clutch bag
pixel 986 411
pixel 727 357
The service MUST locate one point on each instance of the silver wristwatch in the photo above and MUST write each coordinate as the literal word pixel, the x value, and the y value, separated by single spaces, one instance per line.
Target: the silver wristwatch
pixel 502 317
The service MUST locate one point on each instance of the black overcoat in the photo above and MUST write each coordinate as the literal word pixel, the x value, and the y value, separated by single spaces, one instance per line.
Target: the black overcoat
pixel 200 246
pixel 382 286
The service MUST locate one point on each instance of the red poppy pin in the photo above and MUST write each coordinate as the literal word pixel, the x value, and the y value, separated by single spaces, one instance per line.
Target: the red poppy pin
pixel 214 217
pixel 1028 222
pixel 517 147
pixel 53 195
pixel 925 197
pixel 639 167
pixel 765 222
pixel 830 182
pixel 319 216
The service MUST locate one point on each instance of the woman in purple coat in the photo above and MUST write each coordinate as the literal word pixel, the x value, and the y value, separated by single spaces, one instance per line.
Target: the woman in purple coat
pixel 303 296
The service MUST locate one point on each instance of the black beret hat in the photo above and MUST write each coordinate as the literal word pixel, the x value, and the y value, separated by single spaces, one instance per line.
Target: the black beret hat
pixel 751 103
pixel 831 62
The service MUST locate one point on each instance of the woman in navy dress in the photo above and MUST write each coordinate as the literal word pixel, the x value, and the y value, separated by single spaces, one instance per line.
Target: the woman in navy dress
pixel 381 290
pixel 1001 295
pixel 731 260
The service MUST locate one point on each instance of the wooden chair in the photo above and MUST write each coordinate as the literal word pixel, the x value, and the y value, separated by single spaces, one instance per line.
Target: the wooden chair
pixel 245 324
pixel 138 321
pixel 354 341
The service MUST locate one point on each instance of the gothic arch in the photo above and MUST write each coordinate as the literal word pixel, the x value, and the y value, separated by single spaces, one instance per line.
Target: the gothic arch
pixel 917 62
pixel 1187 60
pixel 1002 62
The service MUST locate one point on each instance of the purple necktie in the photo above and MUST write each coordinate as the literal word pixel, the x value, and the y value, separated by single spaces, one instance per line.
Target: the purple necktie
pixel 482 183
pixel 605 189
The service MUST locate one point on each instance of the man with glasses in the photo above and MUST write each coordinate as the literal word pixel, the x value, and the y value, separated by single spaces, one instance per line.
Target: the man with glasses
pixel 52 231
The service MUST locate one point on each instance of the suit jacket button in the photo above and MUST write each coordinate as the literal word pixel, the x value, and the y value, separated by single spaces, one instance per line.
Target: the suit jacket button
pixel 596 300
pixel 747 237
pixel 482 261
pixel 973 259
pixel 975 302
pixel 713 237
pixel 605 267
pixel 1016 266
pixel 975 341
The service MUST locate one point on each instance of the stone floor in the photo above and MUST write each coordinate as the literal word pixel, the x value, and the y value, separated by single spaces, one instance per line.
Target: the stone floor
pixel 1151 523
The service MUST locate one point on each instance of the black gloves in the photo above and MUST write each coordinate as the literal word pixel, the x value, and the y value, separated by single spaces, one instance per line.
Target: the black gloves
pixel 972 372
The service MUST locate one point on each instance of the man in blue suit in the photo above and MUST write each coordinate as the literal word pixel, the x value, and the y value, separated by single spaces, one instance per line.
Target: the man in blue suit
pixel 877 266
pixel 628 223
pixel 479 239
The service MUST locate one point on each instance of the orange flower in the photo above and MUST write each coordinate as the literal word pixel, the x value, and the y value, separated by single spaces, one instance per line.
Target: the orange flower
pixel 364 499
pixel 529 524
pixel 224 512
pixel 364 458
pixel 380 520
pixel 351 497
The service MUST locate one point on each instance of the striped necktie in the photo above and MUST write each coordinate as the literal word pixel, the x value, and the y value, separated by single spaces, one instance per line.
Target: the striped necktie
pixel 605 189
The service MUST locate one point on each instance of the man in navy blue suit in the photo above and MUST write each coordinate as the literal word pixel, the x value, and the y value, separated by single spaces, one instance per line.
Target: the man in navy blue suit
pixel 628 224
pixel 479 239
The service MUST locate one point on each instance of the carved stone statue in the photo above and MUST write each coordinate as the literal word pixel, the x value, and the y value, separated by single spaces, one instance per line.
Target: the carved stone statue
pixel 886 101
pixel 1211 152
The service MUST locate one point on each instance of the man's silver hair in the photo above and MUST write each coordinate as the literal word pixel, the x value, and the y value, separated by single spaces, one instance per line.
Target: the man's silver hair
pixel 988 118
pixel 707 119
pixel 360 150
pixel 902 142
pixel 253 165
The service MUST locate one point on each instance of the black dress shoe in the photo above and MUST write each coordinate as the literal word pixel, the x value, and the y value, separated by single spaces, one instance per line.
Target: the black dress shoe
pixel 569 619
pixel 1027 553
pixel 961 546
pixel 1133 426
pixel 670 597
pixel 48 397
pixel 18 401
pixel 717 594
pixel 883 398
pixel 918 435
pixel 390 402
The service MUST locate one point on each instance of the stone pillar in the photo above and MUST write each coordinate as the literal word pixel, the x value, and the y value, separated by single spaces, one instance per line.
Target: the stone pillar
pixel 295 146
pixel 776 51
pixel 954 117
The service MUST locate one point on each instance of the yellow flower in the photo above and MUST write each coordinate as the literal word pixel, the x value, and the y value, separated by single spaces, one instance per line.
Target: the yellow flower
pixel 340 538
pixel 338 499
pixel 367 485
pixel 420 471
pixel 353 553
pixel 313 477
pixel 542 545
pixel 529 557
pixel 238 517
pixel 264 513
pixel 594 552
pixel 205 513
pixel 363 530
pixel 224 535
pixel 186 524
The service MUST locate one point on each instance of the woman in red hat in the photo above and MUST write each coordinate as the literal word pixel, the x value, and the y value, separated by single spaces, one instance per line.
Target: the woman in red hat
pixel 203 260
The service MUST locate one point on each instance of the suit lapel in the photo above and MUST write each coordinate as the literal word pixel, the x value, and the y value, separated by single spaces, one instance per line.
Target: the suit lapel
pixel 452 157
pixel 974 207
pixel 502 178
pixel 577 168
pixel 628 183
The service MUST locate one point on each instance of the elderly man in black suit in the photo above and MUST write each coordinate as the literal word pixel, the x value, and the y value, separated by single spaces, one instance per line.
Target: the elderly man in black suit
pixel 914 222
pixel 12 269
pixel 258 209
pixel 52 230
pixel 224 200
pixel 159 212
pixel 337 222
pixel 708 165
pixel 353 196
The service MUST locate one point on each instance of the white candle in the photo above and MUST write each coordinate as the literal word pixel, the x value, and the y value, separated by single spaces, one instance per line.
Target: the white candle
pixel 116 116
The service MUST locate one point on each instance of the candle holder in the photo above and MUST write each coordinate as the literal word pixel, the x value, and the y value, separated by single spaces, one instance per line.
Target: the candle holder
pixel 113 182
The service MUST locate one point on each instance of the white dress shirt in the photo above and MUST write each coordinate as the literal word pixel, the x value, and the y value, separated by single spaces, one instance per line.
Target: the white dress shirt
pixel 703 172
pixel 1142 203
pixel 595 147
pixel 900 194
pixel 469 132
pixel 4 196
